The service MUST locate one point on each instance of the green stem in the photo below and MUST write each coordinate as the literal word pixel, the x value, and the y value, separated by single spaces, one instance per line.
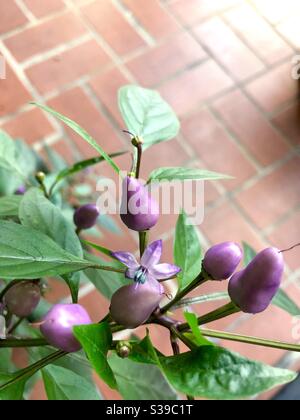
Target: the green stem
pixel 251 340
pixel 15 325
pixel 139 159
pixel 219 313
pixel 201 279
pixel 107 268
pixel 26 342
pixel 31 370
pixel 143 240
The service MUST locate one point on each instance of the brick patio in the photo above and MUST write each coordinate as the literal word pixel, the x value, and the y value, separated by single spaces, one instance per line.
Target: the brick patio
pixel 224 65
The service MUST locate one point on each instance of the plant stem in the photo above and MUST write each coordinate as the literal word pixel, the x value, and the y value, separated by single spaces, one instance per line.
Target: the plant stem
pixel 107 268
pixel 15 325
pixel 139 159
pixel 219 313
pixel 251 340
pixel 26 342
pixel 6 288
pixel 143 241
pixel 201 279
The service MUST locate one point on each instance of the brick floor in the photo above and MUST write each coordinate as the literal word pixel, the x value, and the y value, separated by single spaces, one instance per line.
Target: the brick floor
pixel 226 68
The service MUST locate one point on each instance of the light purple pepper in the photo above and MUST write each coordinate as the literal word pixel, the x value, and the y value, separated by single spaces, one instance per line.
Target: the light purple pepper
pixel 57 326
pixel 132 305
pixel 21 190
pixel 221 260
pixel 22 299
pixel 139 211
pixel 254 288
pixel 85 217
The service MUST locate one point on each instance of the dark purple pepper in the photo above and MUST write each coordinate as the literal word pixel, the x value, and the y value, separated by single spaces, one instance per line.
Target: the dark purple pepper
pixel 254 288
pixel 57 326
pixel 139 211
pixel 85 217
pixel 21 190
pixel 221 260
pixel 132 305
pixel 22 299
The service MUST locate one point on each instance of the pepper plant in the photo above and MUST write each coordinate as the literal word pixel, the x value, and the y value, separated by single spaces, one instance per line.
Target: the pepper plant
pixel 45 214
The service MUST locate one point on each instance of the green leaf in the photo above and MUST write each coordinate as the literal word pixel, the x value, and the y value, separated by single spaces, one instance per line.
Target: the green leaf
pixel 99 248
pixel 147 115
pixel 82 133
pixel 26 253
pixel 106 282
pixel 96 341
pixel 6 364
pixel 202 299
pixel 9 205
pixel 215 373
pixel 64 385
pixel 39 213
pixel 15 391
pixel 249 253
pixel 7 153
pixel 283 301
pixel 137 381
pixel 187 251
pixel 192 320
pixel 182 174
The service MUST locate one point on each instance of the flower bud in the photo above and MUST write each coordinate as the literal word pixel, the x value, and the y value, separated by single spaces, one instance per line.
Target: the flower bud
pixel 57 326
pixel 254 288
pixel 22 298
pixel 221 260
pixel 139 211
pixel 132 305
pixel 85 217
pixel 123 349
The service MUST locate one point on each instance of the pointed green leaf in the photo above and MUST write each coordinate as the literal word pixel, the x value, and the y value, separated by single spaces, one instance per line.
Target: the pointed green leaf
pixel 183 174
pixel 9 205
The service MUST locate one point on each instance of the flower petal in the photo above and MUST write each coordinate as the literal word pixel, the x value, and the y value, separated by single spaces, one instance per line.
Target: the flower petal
pixel 164 271
pixel 126 258
pixel 152 254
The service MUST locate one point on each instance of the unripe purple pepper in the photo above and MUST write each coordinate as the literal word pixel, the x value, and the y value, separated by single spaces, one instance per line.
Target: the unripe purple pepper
pixel 85 217
pixel 21 190
pixel 132 305
pixel 22 298
pixel 57 326
pixel 254 288
pixel 139 211
pixel 221 260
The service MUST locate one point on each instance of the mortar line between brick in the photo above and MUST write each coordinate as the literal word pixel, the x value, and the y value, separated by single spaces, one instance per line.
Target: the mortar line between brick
pixel 29 15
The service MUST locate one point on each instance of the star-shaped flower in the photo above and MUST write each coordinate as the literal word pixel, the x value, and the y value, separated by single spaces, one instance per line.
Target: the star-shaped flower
pixel 149 267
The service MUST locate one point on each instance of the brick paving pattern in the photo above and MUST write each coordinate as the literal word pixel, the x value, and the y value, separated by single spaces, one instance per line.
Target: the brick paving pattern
pixel 224 65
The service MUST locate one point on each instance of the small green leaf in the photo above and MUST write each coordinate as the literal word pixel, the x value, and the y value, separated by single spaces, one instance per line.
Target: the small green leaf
pixel 8 159
pixel 192 320
pixel 96 341
pixel 81 132
pixel 64 385
pixel 147 115
pixel 187 251
pixel 182 174
pixel 283 301
pixel 9 205
pixel 99 248
pixel 249 253
pixel 15 391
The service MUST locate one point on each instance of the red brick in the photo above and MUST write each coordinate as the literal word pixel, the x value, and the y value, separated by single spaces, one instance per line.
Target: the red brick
pixel 288 122
pixel 154 18
pixel 43 8
pixel 228 48
pixel 289 28
pixel 10 16
pixel 114 28
pixel 77 106
pixel 62 69
pixel 12 93
pixel 191 11
pixel 285 236
pixel 273 196
pixel 225 223
pixel 251 127
pixel 106 86
pixel 194 86
pixel 162 62
pixel 31 126
pixel 45 36
pixel 216 149
pixel 276 10
pixel 258 34
pixel 275 88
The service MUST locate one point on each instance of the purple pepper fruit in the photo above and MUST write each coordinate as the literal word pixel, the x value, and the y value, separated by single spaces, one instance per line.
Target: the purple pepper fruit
pixel 57 326
pixel 132 305
pixel 221 260
pixel 254 288
pixel 139 211
pixel 85 217
pixel 22 298
pixel 21 190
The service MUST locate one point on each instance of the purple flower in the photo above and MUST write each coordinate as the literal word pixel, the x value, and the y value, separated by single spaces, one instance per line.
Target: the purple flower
pixel 149 267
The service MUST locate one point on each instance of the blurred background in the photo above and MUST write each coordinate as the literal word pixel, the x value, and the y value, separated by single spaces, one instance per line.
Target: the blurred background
pixel 228 68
